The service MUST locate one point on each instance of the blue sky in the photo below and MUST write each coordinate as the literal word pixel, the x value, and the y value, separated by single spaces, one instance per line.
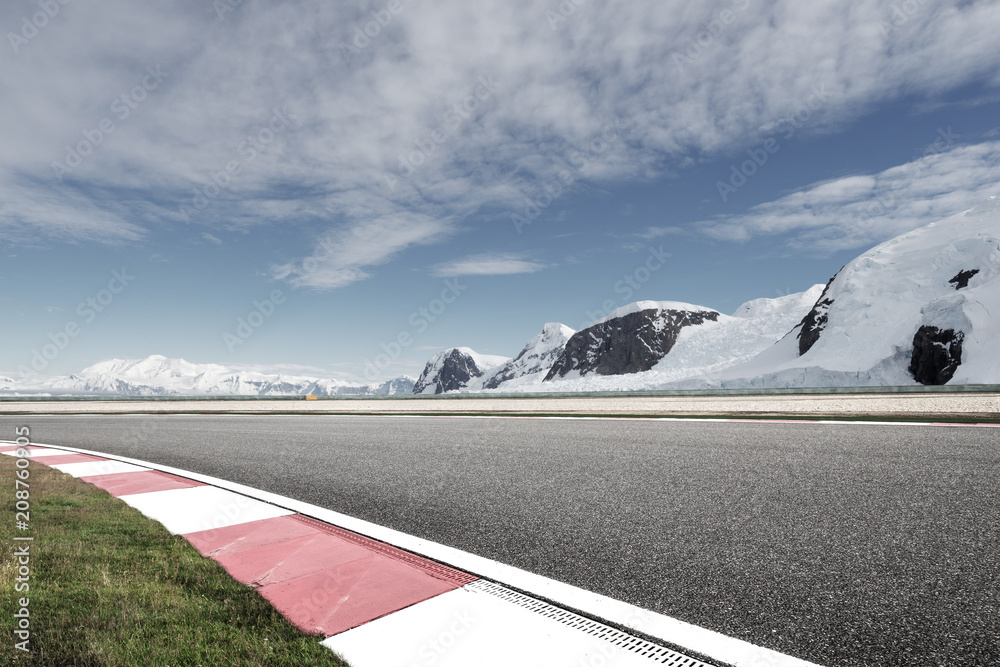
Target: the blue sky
pixel 272 162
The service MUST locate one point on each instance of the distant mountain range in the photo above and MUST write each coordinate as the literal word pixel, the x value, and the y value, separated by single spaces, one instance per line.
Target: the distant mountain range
pixel 643 345
pixel 923 308
pixel 160 376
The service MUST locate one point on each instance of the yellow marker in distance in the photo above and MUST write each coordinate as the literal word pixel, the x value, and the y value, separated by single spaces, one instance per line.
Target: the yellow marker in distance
pixel 311 397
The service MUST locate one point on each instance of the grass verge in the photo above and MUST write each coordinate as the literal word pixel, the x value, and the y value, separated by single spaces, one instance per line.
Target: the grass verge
pixel 110 587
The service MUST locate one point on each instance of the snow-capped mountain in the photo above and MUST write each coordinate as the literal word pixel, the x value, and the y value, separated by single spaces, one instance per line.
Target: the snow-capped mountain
pixel 535 358
pixel 401 385
pixel 732 339
pixel 159 376
pixel 631 339
pixel 454 369
pixel 921 308
pixel 718 342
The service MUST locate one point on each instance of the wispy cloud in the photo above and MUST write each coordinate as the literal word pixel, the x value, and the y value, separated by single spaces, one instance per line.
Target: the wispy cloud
pixel 856 211
pixel 280 369
pixel 659 232
pixel 342 256
pixel 488 264
pixel 412 94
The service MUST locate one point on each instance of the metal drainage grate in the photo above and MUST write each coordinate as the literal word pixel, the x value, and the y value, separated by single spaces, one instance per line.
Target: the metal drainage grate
pixel 647 649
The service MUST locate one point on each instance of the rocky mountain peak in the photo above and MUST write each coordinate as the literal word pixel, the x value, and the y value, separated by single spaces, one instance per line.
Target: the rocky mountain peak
pixel 631 340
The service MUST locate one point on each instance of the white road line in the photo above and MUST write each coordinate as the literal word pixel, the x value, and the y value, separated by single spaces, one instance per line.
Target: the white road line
pixel 715 645
pixel 793 419
pixel 710 420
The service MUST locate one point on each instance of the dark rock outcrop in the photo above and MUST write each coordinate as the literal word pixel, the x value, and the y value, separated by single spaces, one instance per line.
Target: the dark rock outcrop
pixel 631 343
pixel 448 373
pixel 814 322
pixel 505 374
pixel 961 281
pixel 937 354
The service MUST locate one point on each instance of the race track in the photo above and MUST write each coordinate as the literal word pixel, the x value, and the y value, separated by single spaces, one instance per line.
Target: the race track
pixel 838 543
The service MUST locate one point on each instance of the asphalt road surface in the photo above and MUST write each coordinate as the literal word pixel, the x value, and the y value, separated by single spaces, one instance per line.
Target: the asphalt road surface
pixel 840 544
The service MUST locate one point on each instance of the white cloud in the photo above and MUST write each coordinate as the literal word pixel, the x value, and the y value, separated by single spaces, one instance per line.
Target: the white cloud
pixel 279 369
pixel 659 232
pixel 342 255
pixel 358 116
pixel 487 264
pixel 857 211
pixel 29 209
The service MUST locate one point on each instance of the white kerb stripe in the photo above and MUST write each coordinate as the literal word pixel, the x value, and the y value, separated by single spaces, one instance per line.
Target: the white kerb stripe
pixel 37 452
pixel 90 468
pixel 201 508
pixel 466 628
